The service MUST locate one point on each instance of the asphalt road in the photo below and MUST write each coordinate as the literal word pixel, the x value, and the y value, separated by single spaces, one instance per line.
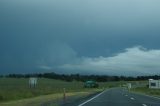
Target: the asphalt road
pixel 120 97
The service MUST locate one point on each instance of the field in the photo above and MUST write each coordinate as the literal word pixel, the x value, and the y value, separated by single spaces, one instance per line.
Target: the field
pixel 147 91
pixel 13 89
pixel 17 88
pixel 16 91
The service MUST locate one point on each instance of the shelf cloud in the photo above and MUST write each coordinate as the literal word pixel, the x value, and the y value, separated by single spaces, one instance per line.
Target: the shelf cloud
pixel 80 36
pixel 133 61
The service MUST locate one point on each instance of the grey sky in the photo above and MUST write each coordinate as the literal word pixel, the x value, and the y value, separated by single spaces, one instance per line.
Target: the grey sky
pixel 46 36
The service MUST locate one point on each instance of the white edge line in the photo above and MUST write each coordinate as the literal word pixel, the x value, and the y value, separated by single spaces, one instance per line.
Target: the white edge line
pixel 146 95
pixel 151 96
pixel 91 99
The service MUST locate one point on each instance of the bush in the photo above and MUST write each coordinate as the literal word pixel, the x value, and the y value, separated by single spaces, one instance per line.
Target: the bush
pixel 1 98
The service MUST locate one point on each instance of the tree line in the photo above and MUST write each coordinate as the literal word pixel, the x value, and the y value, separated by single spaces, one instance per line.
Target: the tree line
pixel 83 78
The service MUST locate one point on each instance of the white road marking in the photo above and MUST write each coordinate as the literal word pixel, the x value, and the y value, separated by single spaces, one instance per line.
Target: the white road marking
pixel 91 99
pixel 147 95
pixel 144 105
pixel 132 98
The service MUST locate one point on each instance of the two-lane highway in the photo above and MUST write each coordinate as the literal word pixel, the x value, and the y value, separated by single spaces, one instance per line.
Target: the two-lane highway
pixel 120 97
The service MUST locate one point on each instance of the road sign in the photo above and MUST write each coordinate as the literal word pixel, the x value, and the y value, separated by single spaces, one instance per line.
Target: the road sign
pixel 32 82
pixel 129 85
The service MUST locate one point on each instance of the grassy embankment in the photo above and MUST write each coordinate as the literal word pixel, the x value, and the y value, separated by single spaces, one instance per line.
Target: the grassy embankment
pixel 142 88
pixel 147 91
pixel 16 92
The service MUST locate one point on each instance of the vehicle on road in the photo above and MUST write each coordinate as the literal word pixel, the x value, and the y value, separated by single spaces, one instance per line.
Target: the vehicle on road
pixel 91 84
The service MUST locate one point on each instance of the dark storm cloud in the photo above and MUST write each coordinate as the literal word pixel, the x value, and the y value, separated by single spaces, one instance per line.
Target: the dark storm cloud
pixel 133 61
pixel 37 35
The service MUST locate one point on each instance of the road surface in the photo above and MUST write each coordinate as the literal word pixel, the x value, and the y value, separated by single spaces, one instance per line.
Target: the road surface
pixel 120 97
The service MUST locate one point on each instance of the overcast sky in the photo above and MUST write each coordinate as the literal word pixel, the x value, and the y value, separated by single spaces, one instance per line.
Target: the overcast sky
pixel 113 37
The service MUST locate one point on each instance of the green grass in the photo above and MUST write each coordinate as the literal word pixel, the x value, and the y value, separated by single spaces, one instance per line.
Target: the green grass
pixel 37 101
pixel 146 90
pixel 13 89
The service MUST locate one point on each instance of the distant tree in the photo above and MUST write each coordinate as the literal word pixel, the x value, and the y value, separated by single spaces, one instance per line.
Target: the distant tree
pixel 1 76
pixel 83 78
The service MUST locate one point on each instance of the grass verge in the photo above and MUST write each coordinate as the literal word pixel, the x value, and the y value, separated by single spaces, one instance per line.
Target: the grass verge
pixel 147 91
pixel 52 99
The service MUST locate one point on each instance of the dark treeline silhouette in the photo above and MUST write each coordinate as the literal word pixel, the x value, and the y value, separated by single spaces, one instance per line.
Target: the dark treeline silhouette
pixel 78 77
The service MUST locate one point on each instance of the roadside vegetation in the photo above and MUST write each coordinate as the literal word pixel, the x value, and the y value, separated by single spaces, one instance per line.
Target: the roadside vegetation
pixel 48 100
pixel 147 91
pixel 16 91
pixel 18 88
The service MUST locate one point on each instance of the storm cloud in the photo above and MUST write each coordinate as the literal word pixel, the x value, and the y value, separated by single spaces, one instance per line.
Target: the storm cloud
pixel 69 36
pixel 133 61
